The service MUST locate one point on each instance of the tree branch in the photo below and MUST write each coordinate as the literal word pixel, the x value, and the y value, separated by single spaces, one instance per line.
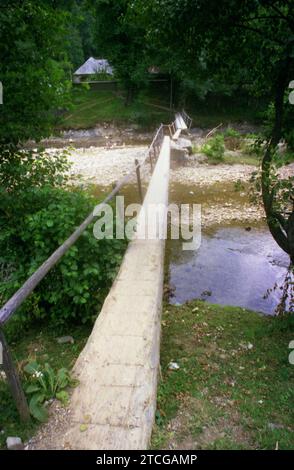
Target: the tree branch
pixel 258 31
pixel 281 14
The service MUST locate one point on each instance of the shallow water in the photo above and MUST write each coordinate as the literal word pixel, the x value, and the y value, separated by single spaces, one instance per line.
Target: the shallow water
pixel 95 137
pixel 232 267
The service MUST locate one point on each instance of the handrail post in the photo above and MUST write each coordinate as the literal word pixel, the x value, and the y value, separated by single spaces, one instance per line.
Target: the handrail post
pixel 139 180
pixel 150 160
pixel 14 381
pixel 7 310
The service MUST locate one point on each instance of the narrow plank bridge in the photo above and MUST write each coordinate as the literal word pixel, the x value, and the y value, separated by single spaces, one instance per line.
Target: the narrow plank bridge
pixel 113 406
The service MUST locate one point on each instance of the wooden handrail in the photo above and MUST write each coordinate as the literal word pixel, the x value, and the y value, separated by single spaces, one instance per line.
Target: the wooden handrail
pixel 27 288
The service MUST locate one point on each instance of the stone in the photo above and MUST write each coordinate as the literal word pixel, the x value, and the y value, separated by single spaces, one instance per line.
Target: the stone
pixel 2 375
pixel 178 153
pixel 14 443
pixel 185 144
pixel 65 339
pixel 197 132
pixel 273 426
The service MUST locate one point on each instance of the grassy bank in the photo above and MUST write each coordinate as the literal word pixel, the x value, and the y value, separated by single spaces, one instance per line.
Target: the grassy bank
pixel 92 107
pixel 37 345
pixel 149 109
pixel 234 388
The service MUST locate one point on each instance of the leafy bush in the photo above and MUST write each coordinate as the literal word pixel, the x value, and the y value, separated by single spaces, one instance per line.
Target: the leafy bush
pixel 23 169
pixel 34 221
pixel 254 145
pixel 43 384
pixel 232 139
pixel 32 227
pixel 214 148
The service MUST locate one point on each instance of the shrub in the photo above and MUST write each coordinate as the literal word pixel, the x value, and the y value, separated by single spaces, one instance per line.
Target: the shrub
pixel 230 132
pixel 76 286
pixel 22 170
pixel 34 221
pixel 44 384
pixel 232 139
pixel 214 148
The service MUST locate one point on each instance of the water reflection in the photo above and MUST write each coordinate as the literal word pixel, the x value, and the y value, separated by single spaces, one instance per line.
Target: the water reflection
pixel 232 267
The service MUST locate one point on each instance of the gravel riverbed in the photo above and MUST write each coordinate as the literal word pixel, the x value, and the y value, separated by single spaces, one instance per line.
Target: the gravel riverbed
pixel 104 166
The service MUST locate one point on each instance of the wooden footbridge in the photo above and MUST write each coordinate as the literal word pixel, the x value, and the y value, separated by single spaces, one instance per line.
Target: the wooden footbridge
pixel 113 407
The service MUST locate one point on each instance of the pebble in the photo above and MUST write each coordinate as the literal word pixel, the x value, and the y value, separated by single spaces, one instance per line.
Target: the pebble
pixel 273 426
pixel 65 339
pixel 14 443
pixel 2 375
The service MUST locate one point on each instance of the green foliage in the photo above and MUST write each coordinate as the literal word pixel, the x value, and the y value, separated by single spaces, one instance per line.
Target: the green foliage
pixel 35 218
pixel 26 169
pixel 232 139
pixel 80 44
pixel 255 145
pixel 33 69
pixel 102 77
pixel 33 226
pixel 230 132
pixel 217 40
pixel 288 122
pixel 121 37
pixel 214 148
pixel 44 384
pixel 38 344
pixel 281 189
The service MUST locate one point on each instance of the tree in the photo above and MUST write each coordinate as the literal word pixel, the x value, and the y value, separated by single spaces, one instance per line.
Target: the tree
pixel 80 44
pixel 121 39
pixel 33 68
pixel 245 45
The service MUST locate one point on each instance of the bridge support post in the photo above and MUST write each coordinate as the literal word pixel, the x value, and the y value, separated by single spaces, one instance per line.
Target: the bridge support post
pixel 14 381
pixel 139 181
pixel 150 160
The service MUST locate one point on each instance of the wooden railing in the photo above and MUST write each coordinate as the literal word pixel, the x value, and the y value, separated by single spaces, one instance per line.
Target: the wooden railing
pixel 32 282
pixel 173 126
pixel 188 120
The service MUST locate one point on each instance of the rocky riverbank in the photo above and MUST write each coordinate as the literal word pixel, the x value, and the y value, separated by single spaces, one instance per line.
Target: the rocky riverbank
pixel 223 190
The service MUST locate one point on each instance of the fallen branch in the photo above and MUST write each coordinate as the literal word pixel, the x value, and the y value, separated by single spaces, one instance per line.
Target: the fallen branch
pixel 213 130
